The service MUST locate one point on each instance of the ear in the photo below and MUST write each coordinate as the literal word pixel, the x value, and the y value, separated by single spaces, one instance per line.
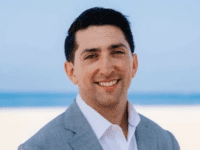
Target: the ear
pixel 135 65
pixel 69 69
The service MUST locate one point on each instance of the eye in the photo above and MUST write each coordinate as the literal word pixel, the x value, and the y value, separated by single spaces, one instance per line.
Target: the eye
pixel 90 56
pixel 118 52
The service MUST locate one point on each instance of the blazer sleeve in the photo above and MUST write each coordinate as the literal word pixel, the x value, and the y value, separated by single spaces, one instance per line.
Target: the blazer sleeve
pixel 28 148
pixel 20 147
pixel 174 142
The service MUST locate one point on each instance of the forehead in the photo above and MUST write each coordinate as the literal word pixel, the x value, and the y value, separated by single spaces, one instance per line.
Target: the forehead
pixel 99 37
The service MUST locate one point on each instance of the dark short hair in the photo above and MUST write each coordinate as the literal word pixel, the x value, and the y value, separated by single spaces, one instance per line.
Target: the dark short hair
pixel 96 16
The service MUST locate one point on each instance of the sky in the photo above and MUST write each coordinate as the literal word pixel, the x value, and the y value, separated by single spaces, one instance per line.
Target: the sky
pixel 166 35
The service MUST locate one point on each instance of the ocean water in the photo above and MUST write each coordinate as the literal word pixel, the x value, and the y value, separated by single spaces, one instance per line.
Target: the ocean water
pixel 65 99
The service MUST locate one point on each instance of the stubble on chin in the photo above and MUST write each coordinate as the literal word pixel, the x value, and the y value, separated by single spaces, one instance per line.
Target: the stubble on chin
pixel 106 101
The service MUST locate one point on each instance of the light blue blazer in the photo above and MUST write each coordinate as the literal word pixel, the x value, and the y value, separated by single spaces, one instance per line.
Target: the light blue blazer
pixel 71 131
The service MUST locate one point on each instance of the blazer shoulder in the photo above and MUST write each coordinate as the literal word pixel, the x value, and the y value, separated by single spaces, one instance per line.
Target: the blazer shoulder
pixel 50 136
pixel 164 138
pixel 149 123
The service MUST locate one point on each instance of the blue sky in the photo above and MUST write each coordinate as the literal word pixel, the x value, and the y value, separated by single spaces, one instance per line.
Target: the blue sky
pixel 166 34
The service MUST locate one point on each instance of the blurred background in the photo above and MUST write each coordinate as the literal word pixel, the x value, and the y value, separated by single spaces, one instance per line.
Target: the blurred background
pixel 33 81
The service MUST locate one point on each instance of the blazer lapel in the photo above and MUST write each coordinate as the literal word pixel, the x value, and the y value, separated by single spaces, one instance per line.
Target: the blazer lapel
pixel 84 137
pixel 145 137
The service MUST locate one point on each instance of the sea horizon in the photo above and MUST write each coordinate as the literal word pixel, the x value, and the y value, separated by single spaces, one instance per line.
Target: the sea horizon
pixel 59 99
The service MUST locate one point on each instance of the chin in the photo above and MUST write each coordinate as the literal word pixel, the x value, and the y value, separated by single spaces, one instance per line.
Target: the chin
pixel 108 102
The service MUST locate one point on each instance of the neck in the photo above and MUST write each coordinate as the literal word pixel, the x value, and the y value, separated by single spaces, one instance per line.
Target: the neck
pixel 116 115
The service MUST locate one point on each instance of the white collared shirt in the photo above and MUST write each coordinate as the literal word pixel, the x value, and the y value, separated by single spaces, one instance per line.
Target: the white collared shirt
pixel 110 135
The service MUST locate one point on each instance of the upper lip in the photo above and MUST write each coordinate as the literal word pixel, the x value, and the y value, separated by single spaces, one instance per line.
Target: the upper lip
pixel 107 80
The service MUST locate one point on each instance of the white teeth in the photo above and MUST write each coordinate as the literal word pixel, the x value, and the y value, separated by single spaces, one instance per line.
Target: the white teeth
pixel 108 83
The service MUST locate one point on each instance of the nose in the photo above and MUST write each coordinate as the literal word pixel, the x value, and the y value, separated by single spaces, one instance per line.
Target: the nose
pixel 106 66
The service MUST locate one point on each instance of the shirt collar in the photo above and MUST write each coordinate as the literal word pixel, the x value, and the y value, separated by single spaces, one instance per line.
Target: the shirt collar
pixel 133 117
pixel 98 123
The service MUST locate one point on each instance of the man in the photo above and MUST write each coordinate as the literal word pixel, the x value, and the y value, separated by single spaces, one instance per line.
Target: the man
pixel 100 59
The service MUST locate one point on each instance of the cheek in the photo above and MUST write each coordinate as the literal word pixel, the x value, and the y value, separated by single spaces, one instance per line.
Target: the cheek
pixel 91 70
pixel 89 76
pixel 124 67
pixel 86 73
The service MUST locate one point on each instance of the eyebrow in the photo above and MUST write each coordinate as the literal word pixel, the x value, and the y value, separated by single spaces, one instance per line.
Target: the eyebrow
pixel 90 50
pixel 113 46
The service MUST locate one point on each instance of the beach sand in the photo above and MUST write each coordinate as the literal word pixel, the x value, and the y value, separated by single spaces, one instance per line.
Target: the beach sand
pixel 19 124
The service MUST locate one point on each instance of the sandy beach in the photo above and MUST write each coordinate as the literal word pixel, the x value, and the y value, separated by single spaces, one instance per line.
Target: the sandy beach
pixel 19 124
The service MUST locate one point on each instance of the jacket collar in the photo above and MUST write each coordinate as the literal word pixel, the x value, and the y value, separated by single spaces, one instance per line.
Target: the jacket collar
pixel 84 137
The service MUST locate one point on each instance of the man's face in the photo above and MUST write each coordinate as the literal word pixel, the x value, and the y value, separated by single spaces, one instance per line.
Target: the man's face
pixel 103 66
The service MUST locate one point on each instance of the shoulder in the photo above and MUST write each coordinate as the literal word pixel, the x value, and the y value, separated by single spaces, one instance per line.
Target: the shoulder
pixel 151 125
pixel 53 134
pixel 153 131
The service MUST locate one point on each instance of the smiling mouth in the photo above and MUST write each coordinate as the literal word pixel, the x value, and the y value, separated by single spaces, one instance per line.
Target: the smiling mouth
pixel 108 84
